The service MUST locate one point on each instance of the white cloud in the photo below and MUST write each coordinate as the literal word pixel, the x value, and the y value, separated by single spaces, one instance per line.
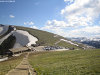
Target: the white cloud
pixel 34 27
pixel 25 23
pixel 69 1
pixel 87 31
pixel 11 16
pixel 81 12
pixel 29 23
pixel 90 31
pixel 79 17
pixel 54 24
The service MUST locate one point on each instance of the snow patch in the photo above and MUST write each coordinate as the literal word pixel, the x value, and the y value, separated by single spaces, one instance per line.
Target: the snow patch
pixel 69 42
pixel 23 38
pixel 3 59
pixel 3 29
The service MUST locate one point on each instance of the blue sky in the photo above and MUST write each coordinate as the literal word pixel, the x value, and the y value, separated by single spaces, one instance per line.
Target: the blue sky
pixel 37 11
pixel 69 18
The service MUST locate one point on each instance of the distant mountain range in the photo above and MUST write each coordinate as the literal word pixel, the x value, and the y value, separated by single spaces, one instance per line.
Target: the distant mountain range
pixel 95 42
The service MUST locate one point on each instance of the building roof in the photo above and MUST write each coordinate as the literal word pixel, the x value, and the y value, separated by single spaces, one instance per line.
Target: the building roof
pixel 18 49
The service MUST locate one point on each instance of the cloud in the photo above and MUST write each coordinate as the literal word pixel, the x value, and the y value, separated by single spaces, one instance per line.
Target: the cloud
pixel 29 23
pixel 89 31
pixel 81 12
pixel 69 1
pixel 25 23
pixel 79 19
pixel 51 28
pixel 54 24
pixel 34 27
pixel 11 16
pixel 92 29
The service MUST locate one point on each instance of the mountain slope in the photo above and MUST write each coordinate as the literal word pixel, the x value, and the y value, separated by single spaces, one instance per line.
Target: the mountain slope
pixel 27 36
pixel 46 38
pixel 93 42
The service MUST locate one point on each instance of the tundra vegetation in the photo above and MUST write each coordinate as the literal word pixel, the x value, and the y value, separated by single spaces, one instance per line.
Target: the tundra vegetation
pixel 6 66
pixel 77 62
pixel 48 39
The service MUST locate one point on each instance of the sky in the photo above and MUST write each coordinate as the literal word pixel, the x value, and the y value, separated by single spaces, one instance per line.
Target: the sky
pixel 68 18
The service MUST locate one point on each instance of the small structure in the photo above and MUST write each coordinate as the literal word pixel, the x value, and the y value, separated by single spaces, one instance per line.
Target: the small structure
pixel 31 48
pixel 19 50
pixel 39 48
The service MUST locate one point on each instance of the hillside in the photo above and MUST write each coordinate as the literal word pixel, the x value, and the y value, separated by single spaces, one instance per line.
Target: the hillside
pixel 47 38
pixel 10 64
pixel 95 42
pixel 24 36
pixel 77 62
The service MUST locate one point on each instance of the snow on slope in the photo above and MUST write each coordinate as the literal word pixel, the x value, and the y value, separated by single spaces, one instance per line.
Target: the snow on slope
pixel 69 42
pixel 3 29
pixel 66 41
pixel 3 59
pixel 23 38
